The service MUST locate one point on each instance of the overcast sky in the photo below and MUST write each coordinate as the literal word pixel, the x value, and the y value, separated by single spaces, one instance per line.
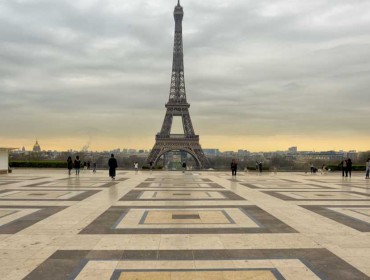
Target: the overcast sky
pixel 260 75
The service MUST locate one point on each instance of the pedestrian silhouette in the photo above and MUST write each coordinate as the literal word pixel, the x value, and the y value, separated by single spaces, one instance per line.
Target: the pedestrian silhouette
pixel 112 163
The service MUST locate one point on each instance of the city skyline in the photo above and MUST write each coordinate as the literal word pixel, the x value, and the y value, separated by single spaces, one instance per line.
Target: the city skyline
pixel 87 148
pixel 260 76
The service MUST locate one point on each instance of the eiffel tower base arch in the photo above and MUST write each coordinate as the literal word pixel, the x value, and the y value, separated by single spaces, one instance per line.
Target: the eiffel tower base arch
pixel 189 145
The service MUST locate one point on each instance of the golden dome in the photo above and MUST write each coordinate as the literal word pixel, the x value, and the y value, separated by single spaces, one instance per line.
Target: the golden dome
pixel 36 147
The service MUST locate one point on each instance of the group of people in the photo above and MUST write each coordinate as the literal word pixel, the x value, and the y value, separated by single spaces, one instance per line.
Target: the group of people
pixel 112 163
pixel 234 167
pixel 76 164
pixel 313 169
pixel 346 166
pixel 259 166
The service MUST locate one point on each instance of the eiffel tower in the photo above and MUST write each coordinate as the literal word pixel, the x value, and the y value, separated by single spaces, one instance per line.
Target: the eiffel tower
pixel 177 106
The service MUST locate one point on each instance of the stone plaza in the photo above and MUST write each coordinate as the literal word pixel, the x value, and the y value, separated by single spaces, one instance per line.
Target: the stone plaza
pixel 192 225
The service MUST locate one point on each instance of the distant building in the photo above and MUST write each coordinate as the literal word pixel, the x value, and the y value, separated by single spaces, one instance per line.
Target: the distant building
pixel 328 155
pixel 352 155
pixel 4 159
pixel 211 152
pixel 36 147
pixel 293 150
pixel 243 153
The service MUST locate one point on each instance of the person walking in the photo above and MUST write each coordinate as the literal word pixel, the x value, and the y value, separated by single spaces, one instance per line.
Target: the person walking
pixel 94 167
pixel 69 165
pixel 136 166
pixel 77 164
pixel 343 164
pixel 323 169
pixel 112 163
pixel 234 167
pixel 349 167
pixel 260 166
pixel 88 165
pixel 183 167
pixel 312 168
pixel 367 169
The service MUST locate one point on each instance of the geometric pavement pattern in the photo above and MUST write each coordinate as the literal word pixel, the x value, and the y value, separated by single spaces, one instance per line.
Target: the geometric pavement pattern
pixel 171 225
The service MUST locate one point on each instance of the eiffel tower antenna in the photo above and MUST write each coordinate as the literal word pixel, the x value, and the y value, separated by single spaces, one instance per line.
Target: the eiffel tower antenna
pixel 177 106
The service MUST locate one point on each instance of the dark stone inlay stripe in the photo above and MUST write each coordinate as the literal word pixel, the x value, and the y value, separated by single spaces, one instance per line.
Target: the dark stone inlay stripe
pixel 107 221
pixel 280 195
pixel 20 178
pixel 250 185
pixel 339 217
pixel 184 180
pixel 110 184
pixel 290 181
pixel 79 197
pixel 118 272
pixel 38 184
pixel 181 217
pixel 179 186
pixel 74 186
pixel 28 220
pixel 8 182
pixel 134 195
pixel 296 186
pixel 65 264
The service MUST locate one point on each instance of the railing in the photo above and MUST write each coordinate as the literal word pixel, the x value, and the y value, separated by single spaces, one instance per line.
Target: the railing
pixel 177 136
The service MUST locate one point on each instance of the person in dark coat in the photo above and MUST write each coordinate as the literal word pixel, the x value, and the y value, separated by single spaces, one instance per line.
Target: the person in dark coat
pixel 343 166
pixel 77 164
pixel 69 165
pixel 349 167
pixel 367 169
pixel 234 167
pixel 112 163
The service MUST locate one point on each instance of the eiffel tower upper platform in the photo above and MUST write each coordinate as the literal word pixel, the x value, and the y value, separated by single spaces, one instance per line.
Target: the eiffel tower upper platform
pixel 177 106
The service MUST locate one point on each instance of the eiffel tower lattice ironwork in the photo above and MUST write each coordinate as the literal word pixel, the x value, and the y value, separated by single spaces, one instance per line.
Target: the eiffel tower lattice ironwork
pixel 177 106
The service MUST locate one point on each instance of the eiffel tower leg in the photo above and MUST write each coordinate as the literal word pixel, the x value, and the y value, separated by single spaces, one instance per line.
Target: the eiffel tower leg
pixel 153 156
pixel 186 122
pixel 203 161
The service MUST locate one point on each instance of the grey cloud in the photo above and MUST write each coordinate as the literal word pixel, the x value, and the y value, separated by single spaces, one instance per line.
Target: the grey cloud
pixel 251 67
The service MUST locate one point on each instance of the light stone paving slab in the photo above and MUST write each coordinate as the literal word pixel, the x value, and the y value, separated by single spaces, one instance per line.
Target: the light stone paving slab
pixel 57 244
